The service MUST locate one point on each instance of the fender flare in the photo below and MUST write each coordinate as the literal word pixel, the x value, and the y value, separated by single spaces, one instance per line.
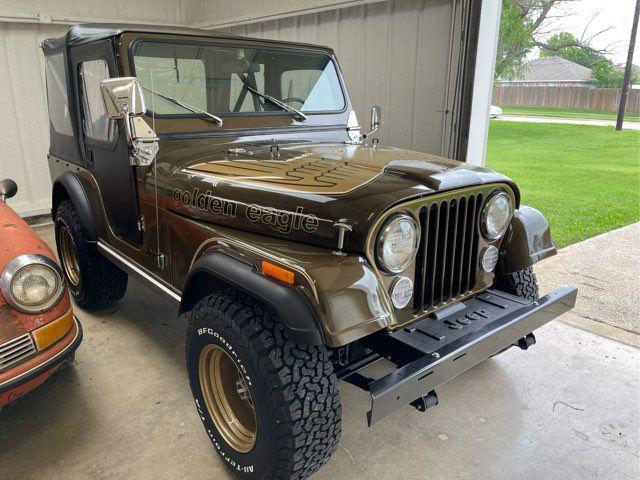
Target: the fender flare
pixel 220 271
pixel 528 241
pixel 69 182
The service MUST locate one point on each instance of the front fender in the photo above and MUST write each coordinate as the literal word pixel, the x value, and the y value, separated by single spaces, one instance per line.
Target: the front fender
pixel 528 241
pixel 290 304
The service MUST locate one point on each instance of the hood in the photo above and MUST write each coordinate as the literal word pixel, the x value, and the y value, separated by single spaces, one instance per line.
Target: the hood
pixel 300 192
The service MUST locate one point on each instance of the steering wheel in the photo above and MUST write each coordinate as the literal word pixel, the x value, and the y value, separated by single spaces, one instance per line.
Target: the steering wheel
pixel 293 99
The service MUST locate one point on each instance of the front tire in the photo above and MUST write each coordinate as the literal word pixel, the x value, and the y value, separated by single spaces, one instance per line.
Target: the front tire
pixel 282 397
pixel 94 282
pixel 522 283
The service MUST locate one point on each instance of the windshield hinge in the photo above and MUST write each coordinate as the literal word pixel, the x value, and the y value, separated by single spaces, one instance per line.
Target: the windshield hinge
pixel 141 224
pixel 274 151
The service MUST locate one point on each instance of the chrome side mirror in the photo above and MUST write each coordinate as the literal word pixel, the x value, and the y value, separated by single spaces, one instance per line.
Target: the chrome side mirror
pixel 376 121
pixel 124 99
pixel 8 189
pixel 123 96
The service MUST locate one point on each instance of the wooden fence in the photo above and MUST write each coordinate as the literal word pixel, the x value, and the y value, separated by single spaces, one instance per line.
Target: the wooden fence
pixel 564 97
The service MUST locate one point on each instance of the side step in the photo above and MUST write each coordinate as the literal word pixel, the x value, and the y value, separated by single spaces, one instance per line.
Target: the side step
pixel 433 351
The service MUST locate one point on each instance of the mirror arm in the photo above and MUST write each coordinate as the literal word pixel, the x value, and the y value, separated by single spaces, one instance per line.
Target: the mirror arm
pixel 127 125
pixel 371 132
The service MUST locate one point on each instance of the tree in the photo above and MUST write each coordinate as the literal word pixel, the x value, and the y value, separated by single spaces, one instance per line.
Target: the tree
pixel 514 41
pixel 604 72
pixel 526 24
pixel 567 46
pixel 607 75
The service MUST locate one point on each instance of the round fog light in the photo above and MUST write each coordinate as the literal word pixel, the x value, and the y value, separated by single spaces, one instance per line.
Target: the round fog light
pixel 401 292
pixel 489 258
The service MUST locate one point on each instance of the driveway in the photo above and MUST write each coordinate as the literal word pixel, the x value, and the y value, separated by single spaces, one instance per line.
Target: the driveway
pixel 572 121
pixel 565 409
pixel 606 270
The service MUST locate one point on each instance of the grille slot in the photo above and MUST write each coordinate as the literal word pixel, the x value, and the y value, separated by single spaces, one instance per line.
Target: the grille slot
pixel 448 251
pixel 16 350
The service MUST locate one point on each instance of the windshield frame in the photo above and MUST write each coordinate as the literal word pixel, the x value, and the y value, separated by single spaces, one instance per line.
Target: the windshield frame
pixel 217 43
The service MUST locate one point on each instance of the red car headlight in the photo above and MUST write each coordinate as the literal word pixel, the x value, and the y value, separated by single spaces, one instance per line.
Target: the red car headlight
pixel 32 283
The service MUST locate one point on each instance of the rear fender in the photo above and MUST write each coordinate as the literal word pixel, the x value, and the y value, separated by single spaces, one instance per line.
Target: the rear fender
pixel 68 185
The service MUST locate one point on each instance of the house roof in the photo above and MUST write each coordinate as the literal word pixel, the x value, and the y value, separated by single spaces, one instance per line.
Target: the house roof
pixel 554 69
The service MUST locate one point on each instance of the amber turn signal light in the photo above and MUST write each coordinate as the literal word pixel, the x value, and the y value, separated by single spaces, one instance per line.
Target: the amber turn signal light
pixel 282 274
pixel 54 331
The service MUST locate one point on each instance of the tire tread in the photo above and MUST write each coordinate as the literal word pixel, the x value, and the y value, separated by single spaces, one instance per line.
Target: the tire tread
pixel 102 283
pixel 303 393
pixel 523 283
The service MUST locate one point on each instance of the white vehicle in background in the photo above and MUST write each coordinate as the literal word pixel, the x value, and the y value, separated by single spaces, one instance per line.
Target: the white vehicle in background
pixel 495 112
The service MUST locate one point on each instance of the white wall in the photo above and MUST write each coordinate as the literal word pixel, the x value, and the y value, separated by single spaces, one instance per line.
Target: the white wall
pixel 395 53
pixel 24 125
pixel 77 11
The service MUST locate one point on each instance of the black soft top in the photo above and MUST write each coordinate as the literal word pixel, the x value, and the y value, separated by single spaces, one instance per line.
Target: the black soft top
pixel 89 32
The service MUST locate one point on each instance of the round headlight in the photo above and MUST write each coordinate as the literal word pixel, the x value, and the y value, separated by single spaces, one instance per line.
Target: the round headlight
pixel 401 292
pixel 496 216
pixel 397 243
pixel 489 258
pixel 32 283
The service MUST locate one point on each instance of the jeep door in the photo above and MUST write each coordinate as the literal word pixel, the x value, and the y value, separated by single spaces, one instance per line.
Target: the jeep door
pixel 102 140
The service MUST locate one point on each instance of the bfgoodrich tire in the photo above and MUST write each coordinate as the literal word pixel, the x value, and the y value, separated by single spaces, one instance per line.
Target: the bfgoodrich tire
pixel 521 284
pixel 94 282
pixel 282 397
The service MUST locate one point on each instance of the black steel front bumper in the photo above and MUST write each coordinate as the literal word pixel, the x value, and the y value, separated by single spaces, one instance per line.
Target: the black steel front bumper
pixel 432 351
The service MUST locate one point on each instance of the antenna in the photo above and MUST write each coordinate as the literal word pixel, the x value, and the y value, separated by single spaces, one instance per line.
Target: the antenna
pixel 159 255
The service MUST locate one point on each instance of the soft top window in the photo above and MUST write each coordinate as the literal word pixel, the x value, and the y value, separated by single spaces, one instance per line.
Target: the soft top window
pixel 57 100
pixel 219 79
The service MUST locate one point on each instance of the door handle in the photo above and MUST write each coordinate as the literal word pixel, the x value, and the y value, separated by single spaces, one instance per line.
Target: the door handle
pixel 89 156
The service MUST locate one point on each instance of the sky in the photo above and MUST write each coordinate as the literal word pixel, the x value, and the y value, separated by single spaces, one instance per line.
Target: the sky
pixel 576 16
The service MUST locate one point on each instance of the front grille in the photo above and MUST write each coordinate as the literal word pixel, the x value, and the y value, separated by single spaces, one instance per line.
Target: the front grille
pixel 16 350
pixel 447 257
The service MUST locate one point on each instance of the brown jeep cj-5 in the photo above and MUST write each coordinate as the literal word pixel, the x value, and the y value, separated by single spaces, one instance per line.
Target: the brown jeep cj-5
pixel 231 176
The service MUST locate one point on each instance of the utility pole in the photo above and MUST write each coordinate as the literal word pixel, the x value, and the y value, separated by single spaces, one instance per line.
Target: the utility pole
pixel 627 70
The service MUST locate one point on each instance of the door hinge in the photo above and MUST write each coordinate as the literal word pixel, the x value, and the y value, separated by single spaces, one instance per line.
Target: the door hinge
pixel 160 260
pixel 141 224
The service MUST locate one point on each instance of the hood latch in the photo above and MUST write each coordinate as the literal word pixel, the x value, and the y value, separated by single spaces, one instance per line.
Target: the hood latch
pixel 343 227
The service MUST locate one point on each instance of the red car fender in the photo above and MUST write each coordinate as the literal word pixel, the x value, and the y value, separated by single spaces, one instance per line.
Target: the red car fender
pixel 17 238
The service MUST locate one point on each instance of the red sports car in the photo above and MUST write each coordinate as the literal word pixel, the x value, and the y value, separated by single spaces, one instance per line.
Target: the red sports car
pixel 38 330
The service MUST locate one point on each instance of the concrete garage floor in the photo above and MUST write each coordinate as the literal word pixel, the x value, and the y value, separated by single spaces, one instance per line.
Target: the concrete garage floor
pixel 566 409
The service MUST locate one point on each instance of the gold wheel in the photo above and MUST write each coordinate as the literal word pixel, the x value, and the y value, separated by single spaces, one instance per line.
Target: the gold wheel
pixel 69 256
pixel 227 397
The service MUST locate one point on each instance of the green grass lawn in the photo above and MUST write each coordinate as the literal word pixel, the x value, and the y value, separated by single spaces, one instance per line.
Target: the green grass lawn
pixel 566 113
pixel 585 179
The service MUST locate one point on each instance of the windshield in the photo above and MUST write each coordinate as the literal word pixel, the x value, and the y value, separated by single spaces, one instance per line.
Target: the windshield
pixel 215 79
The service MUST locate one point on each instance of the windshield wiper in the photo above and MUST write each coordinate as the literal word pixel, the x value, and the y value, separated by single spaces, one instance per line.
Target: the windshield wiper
pixel 193 109
pixel 297 114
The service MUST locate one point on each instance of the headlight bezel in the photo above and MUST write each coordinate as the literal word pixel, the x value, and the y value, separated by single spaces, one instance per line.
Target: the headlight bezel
pixel 485 213
pixel 18 264
pixel 382 236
